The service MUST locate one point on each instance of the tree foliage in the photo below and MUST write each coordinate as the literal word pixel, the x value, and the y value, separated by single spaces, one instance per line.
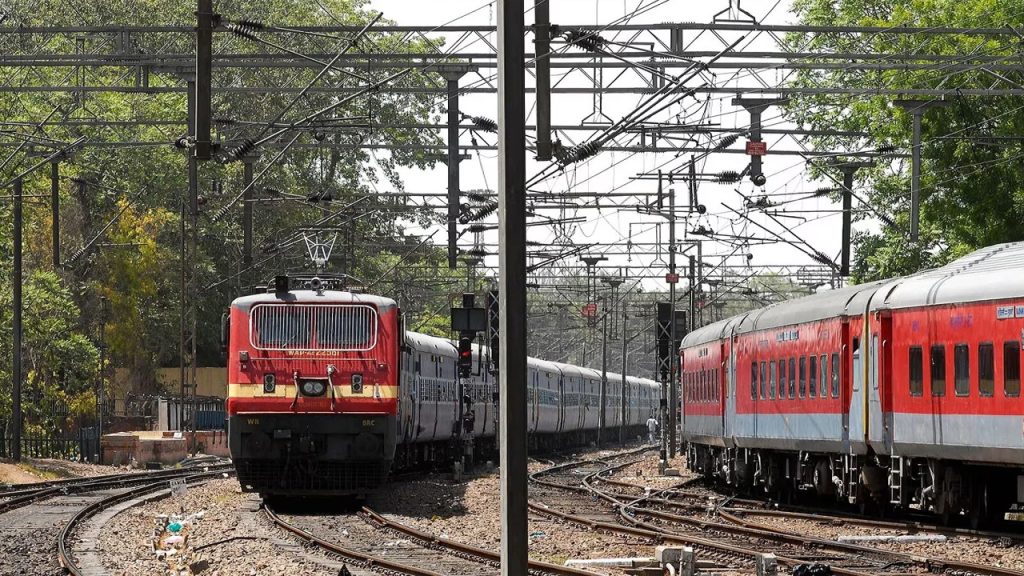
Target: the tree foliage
pixel 972 194
pixel 121 197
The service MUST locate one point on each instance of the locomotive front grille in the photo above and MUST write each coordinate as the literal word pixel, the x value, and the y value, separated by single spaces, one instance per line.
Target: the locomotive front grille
pixel 311 477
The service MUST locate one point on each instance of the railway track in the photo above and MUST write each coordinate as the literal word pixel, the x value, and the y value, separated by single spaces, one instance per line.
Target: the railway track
pixel 357 538
pixel 44 490
pixel 66 554
pixel 728 540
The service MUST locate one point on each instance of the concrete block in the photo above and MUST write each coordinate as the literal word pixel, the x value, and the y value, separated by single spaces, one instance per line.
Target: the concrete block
pixel 767 565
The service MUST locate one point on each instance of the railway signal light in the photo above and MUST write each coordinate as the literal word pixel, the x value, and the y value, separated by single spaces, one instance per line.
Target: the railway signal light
pixel 465 356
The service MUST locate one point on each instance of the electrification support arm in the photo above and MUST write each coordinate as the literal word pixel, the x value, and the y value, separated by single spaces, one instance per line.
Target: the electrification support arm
pixel 756 107
pixel 916 108
pixel 849 169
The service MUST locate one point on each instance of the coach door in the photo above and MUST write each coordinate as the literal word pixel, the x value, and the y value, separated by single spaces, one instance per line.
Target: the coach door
pixel 722 385
pixel 845 379
pixel 856 412
pixel 881 375
pixel 729 351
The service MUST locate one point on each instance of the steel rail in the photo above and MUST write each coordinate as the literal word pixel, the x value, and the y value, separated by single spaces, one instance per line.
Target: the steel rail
pixel 467 549
pixel 761 531
pixel 23 498
pixel 368 560
pixel 637 528
pixel 64 553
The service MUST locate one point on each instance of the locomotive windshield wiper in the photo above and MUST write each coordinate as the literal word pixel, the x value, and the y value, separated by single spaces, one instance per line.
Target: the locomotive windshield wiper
pixel 295 379
pixel 331 370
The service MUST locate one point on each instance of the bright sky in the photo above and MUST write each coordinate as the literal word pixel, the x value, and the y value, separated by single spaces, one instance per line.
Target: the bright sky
pixel 814 221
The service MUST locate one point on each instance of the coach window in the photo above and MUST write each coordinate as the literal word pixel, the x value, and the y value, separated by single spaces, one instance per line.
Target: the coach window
pixel 803 376
pixel 771 379
pixel 835 375
pixel 792 378
pixel 762 380
pixel 782 379
pixel 962 370
pixel 813 380
pixel 986 370
pixel 915 362
pixel 1011 368
pixel 823 375
pixel 753 380
pixel 938 365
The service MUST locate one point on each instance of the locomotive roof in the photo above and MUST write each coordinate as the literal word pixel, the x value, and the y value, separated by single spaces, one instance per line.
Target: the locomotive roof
pixel 312 297
pixel 992 273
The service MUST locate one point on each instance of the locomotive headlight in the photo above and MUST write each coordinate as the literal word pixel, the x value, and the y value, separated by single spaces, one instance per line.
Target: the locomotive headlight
pixel 313 387
pixel 269 383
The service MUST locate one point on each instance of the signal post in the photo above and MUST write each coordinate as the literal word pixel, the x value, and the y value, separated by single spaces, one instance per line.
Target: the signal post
pixel 467 321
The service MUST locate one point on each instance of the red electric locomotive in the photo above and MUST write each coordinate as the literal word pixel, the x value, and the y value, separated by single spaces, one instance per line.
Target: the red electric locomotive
pixel 313 389
pixel 902 393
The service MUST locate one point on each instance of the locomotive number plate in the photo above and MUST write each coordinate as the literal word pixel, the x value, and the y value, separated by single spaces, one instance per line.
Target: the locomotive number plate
pixel 369 423
pixel 253 421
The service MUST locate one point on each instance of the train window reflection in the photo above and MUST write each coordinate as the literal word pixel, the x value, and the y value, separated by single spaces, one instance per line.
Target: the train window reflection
pixel 962 370
pixel 986 370
pixel 813 379
pixel 803 376
pixel 781 378
pixel 792 378
pixel 1011 368
pixel 938 366
pixel 835 375
pixel 916 365
pixel 763 380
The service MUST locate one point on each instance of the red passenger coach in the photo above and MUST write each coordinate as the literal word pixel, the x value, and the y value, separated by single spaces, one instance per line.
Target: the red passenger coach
pixel 313 390
pixel 902 393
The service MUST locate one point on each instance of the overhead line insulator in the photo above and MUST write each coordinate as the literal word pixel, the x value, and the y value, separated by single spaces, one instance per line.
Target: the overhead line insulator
pixel 585 39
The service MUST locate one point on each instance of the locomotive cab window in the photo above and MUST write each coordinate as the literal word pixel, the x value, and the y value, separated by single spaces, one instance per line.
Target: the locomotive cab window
pixel 1011 368
pixel 938 366
pixel 915 363
pixel 986 370
pixel 962 370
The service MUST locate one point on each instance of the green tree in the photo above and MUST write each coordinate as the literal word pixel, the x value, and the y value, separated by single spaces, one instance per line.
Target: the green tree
pixel 60 363
pixel 972 171
pixel 128 198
